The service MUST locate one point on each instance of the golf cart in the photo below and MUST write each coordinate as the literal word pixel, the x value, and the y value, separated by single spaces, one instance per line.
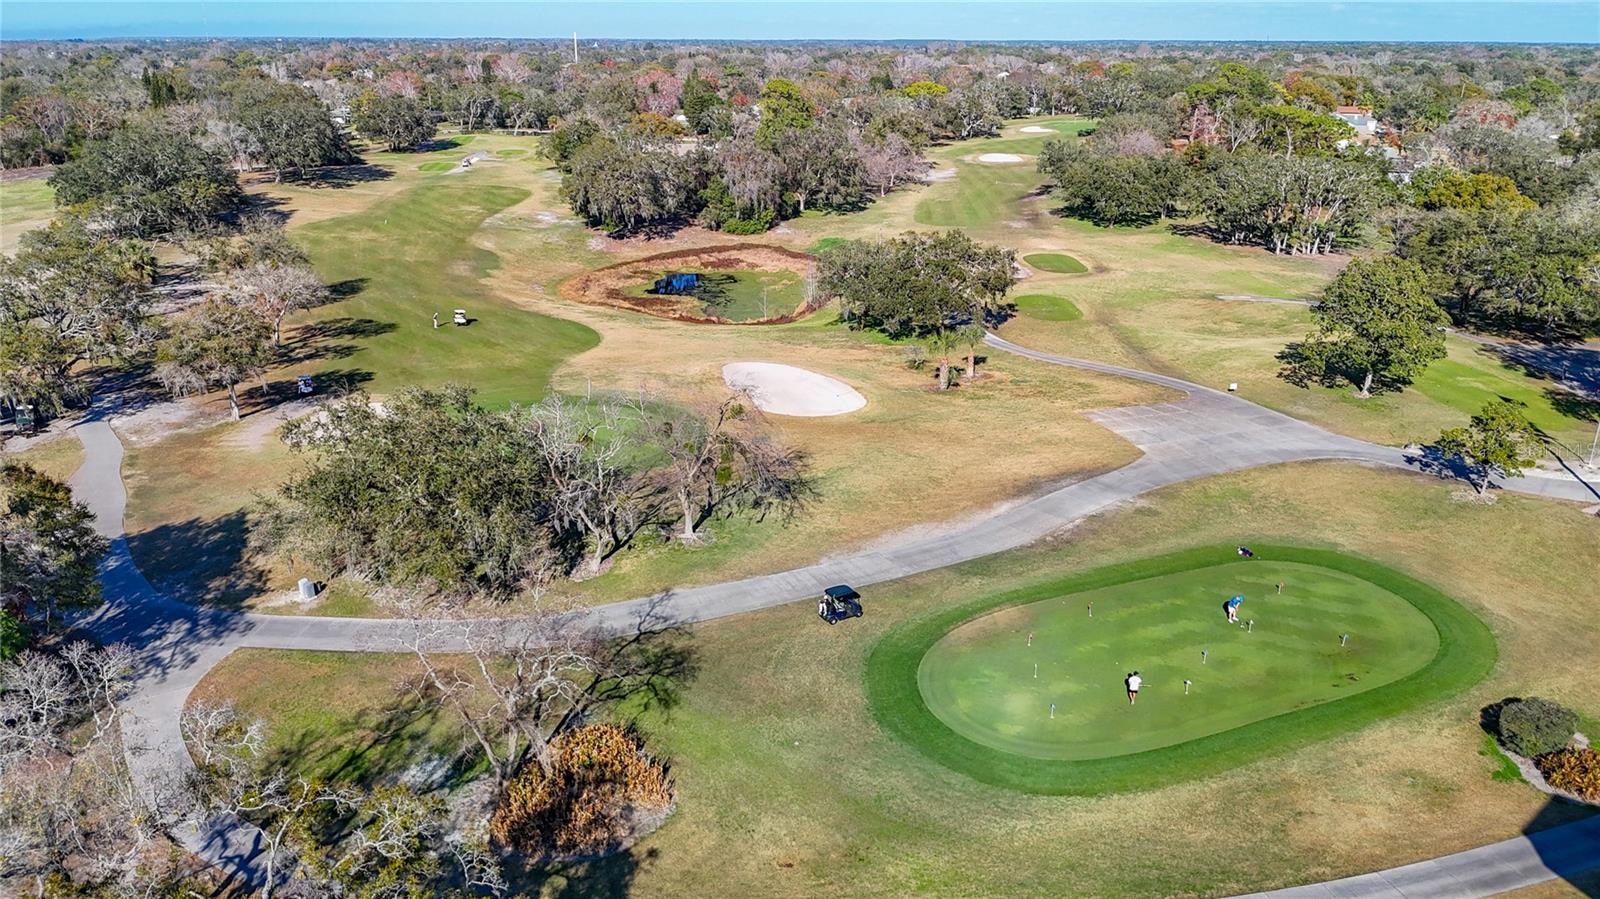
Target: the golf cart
pixel 838 603
pixel 304 385
pixel 461 316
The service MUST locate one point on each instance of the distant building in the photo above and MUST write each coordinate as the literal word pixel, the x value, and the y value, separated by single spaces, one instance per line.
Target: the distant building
pixel 1359 118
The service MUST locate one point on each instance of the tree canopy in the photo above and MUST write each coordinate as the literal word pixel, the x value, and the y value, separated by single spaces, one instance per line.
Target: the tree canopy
pixel 146 180
pixel 1375 325
pixel 916 283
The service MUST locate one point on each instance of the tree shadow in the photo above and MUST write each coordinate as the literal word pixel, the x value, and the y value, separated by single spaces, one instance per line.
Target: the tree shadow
pixel 344 290
pixel 600 878
pixel 341 176
pixel 392 741
pixel 1566 838
pixel 202 562
pixel 330 339
pixel 435 146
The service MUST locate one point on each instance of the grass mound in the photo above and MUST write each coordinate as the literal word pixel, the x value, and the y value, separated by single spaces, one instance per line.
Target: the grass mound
pixel 436 166
pixel 1260 692
pixel 1046 307
pixel 511 152
pixel 1059 263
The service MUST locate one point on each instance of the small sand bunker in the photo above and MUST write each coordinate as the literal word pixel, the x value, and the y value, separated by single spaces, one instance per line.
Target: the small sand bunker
pixel 1036 129
pixel 999 158
pixel 786 390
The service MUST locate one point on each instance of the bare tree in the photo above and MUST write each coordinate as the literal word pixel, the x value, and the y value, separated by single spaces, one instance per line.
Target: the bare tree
pixel 596 486
pixel 272 291
pixel 722 456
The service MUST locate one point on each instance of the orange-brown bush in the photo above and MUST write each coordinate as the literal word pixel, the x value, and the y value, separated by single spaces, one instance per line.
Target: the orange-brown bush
pixel 601 786
pixel 1575 770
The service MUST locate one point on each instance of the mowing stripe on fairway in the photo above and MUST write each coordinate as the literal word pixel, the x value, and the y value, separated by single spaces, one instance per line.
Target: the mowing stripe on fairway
pixel 1465 655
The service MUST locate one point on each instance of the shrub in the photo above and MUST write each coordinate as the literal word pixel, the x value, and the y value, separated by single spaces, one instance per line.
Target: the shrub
pixel 1534 726
pixel 13 634
pixel 600 784
pixel 759 224
pixel 1574 770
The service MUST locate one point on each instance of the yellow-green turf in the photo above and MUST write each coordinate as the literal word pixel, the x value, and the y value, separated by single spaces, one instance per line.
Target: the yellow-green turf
pixel 1046 307
pixel 957 683
pixel 1059 263
pixel 994 679
pixel 741 296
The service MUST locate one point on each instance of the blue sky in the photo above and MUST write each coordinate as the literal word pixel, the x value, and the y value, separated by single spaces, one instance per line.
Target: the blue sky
pixel 1377 20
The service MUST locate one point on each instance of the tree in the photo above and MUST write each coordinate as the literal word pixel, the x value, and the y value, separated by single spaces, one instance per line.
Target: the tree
pixel 1299 205
pixel 1295 131
pixel 1375 324
pixel 915 283
pixel 785 109
pixel 1498 440
pixel 432 493
pixel 941 345
pixel 595 484
pixel 215 345
pixel 625 185
pixel 146 180
pixel 1112 189
pixel 13 634
pixel 699 98
pixel 292 131
pixel 888 160
pixel 49 549
pixel 272 291
pixel 725 456
pixel 259 240
pixel 1453 190
pixel 971 336
pixel 820 165
pixel 402 123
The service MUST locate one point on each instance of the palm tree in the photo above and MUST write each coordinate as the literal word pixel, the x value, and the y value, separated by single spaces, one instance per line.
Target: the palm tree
pixel 971 336
pixel 940 344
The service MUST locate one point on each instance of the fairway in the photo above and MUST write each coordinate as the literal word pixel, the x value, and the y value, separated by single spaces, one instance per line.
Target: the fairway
pixel 980 678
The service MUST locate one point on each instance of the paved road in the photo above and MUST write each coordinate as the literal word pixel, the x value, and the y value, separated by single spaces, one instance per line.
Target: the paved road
pixel 1207 433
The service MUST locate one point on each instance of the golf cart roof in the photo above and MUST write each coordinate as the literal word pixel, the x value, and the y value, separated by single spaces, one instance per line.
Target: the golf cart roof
pixel 841 591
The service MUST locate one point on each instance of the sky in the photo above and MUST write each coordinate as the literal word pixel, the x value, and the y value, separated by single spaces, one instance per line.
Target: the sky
pixel 1566 21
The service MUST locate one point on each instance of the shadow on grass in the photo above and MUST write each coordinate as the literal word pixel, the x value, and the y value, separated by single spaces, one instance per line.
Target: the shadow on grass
pixel 378 746
pixel 203 562
pixel 1566 837
pixel 341 176
pixel 599 878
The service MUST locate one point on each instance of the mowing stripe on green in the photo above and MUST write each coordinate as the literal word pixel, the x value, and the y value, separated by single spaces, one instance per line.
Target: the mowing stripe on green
pixel 1465 654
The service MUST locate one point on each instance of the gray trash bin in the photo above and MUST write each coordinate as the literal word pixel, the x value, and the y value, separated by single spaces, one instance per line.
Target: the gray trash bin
pixel 308 588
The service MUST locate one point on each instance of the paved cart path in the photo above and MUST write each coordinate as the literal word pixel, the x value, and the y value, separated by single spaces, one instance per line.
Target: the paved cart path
pixel 1206 433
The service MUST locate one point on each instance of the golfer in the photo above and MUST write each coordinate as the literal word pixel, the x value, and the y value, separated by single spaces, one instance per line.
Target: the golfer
pixel 1134 681
pixel 1232 608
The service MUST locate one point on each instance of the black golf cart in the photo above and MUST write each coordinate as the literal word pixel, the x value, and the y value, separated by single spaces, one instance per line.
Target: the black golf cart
pixel 838 603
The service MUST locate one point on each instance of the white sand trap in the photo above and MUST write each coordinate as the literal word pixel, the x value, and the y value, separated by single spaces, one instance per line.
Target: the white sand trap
pixel 998 158
pixel 786 390
pixel 1037 129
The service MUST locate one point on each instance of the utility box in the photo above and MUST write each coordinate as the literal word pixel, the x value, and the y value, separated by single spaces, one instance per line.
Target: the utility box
pixel 308 588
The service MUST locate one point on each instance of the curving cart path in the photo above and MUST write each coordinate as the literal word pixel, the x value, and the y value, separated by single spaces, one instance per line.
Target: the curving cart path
pixel 1207 433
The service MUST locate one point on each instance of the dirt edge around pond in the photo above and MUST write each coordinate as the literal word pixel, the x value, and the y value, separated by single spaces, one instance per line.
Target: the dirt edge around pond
pixel 608 286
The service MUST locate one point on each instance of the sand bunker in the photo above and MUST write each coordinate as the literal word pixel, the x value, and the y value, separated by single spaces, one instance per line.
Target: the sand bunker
pixel 1036 129
pixel 786 390
pixel 999 158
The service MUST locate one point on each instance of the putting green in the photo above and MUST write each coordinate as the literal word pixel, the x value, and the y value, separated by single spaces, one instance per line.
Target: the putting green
pixel 958 684
pixel 436 166
pixel 1046 307
pixel 990 683
pixel 1060 263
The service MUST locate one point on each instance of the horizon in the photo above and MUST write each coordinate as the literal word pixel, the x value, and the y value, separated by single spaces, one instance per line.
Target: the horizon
pixel 795 21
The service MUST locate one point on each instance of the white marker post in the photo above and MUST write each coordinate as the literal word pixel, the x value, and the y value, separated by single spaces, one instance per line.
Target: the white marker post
pixel 1036 669
pixel 1250 626
pixel 1342 639
pixel 1052 711
pixel 1186 684
pixel 1203 654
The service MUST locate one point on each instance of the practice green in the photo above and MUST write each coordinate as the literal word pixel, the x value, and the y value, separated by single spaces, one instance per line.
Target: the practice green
pixel 1060 263
pixel 958 684
pixel 980 679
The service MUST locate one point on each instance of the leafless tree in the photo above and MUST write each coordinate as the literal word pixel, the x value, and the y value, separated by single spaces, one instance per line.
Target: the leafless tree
pixel 889 161
pixel 596 487
pixel 273 290
pixel 725 455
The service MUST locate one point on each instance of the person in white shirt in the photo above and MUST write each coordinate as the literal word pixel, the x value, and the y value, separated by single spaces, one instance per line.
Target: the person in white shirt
pixel 1134 681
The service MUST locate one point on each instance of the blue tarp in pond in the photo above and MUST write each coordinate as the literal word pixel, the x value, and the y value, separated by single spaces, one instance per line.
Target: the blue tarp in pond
pixel 679 282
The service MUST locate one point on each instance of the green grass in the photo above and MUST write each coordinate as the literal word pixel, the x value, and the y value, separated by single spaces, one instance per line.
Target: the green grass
pixel 1047 307
pixel 1465 653
pixel 1472 376
pixel 1505 770
pixel 979 195
pixel 994 679
pixel 741 296
pixel 411 255
pixel 1059 263
pixel 436 166
pixel 824 244
pixel 511 152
